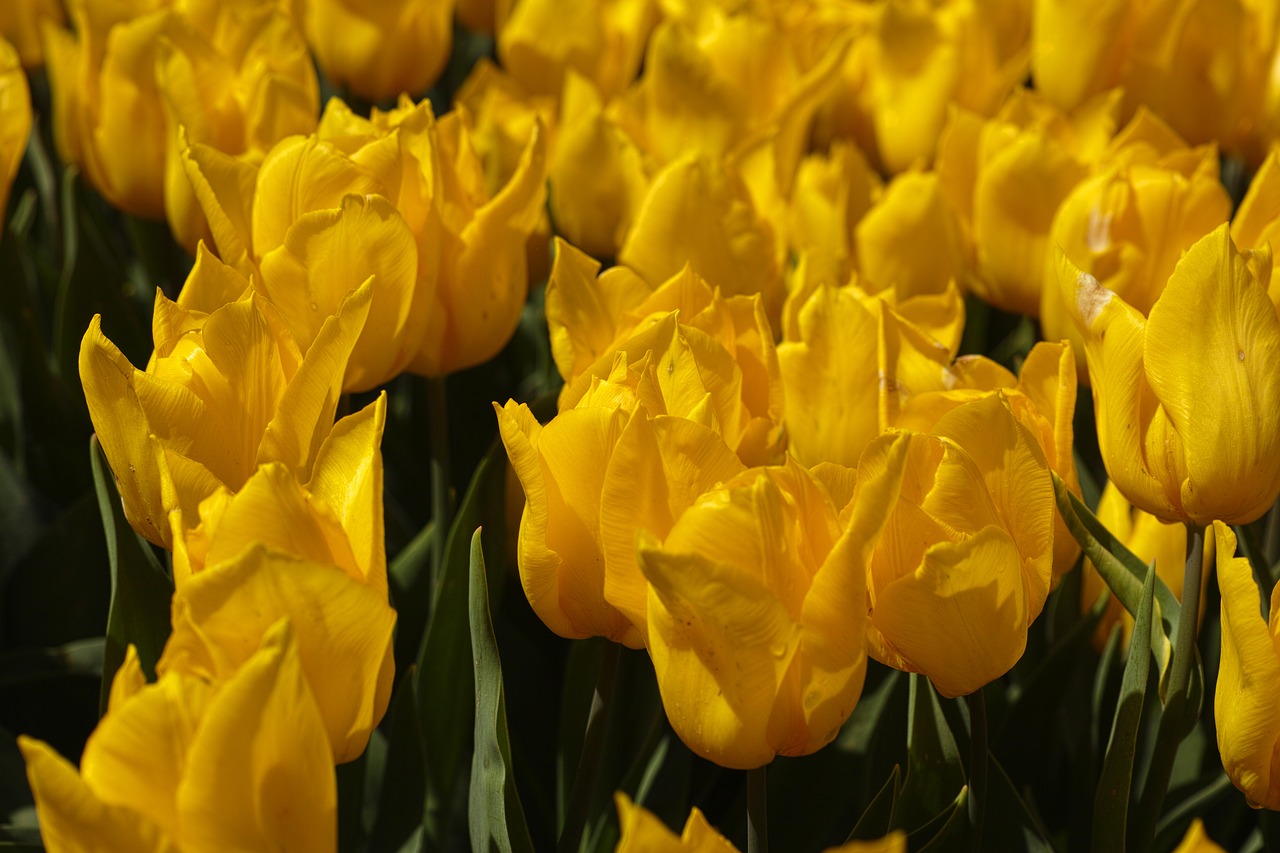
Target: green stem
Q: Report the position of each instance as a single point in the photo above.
(584, 779)
(1175, 722)
(441, 498)
(757, 811)
(977, 764)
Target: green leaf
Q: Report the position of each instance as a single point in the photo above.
(1011, 824)
(445, 678)
(80, 658)
(1103, 688)
(495, 815)
(1124, 573)
(141, 590)
(946, 830)
(934, 769)
(1111, 804)
(409, 577)
(877, 819)
(1173, 826)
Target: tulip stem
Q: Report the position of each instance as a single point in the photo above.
(1175, 722)
(441, 499)
(584, 779)
(977, 764)
(757, 811)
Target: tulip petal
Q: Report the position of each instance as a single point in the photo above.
(260, 775)
(224, 186)
(73, 818)
(1212, 343)
(721, 643)
(961, 618)
(1246, 705)
(910, 241)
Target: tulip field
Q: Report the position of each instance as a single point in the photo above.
(826, 426)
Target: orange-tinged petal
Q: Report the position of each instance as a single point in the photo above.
(1246, 704)
(1212, 342)
(261, 774)
(643, 832)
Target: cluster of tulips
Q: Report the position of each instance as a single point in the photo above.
(768, 461)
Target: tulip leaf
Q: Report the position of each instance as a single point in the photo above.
(1111, 803)
(1173, 826)
(1103, 687)
(934, 769)
(945, 830)
(403, 784)
(1124, 572)
(877, 819)
(141, 590)
(408, 575)
(496, 817)
(1015, 826)
(445, 686)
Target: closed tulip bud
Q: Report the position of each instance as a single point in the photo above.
(755, 613)
(136, 78)
(379, 49)
(15, 121)
(185, 764)
(225, 392)
(1150, 539)
(1186, 394)
(1246, 704)
(21, 22)
(1128, 225)
(964, 561)
(986, 167)
(852, 363)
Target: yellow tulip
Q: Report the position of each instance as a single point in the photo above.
(136, 75)
(1149, 539)
(986, 168)
(850, 366)
(602, 40)
(964, 562)
(1042, 398)
(1197, 840)
(592, 318)
(832, 193)
(643, 832)
(1186, 395)
(379, 49)
(913, 60)
(632, 450)
(1246, 704)
(185, 764)
(910, 240)
(699, 212)
(15, 121)
(1128, 224)
(1257, 220)
(21, 22)
(225, 392)
(1201, 65)
(755, 614)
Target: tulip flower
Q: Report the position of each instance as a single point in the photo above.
(853, 362)
(831, 194)
(20, 25)
(15, 120)
(986, 169)
(185, 764)
(1257, 220)
(134, 78)
(910, 240)
(1187, 398)
(643, 832)
(755, 614)
(964, 562)
(379, 49)
(1150, 539)
(1246, 704)
(634, 449)
(602, 40)
(225, 392)
(1128, 224)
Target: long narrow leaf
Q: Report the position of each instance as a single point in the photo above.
(496, 817)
